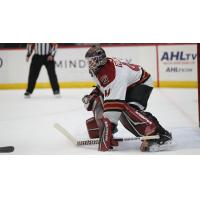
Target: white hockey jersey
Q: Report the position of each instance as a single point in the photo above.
(113, 80)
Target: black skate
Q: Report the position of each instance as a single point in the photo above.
(27, 95)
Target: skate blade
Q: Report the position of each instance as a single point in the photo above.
(169, 145)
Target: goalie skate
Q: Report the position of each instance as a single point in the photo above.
(155, 147)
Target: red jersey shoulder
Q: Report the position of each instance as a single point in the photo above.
(107, 74)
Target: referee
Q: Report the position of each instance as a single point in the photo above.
(43, 55)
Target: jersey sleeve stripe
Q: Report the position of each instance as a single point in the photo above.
(144, 77)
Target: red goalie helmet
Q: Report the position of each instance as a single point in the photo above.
(96, 58)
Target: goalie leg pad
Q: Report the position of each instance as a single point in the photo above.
(106, 141)
(92, 127)
(137, 122)
(164, 134)
(140, 124)
(97, 108)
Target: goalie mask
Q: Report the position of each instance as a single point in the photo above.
(96, 58)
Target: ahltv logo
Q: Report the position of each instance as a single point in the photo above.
(178, 56)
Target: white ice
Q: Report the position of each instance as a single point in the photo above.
(27, 124)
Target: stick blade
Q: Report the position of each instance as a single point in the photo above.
(65, 133)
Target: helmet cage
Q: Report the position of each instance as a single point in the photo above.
(95, 63)
(96, 58)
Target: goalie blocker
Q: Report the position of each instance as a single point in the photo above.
(137, 122)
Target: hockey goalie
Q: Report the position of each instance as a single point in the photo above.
(121, 94)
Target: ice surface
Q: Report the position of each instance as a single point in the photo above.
(28, 123)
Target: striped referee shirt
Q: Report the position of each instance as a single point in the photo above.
(41, 49)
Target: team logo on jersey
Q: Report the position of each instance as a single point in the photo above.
(104, 80)
(107, 93)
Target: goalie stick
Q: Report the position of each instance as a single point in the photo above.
(96, 141)
(7, 149)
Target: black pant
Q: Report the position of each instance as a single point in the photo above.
(139, 94)
(35, 67)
